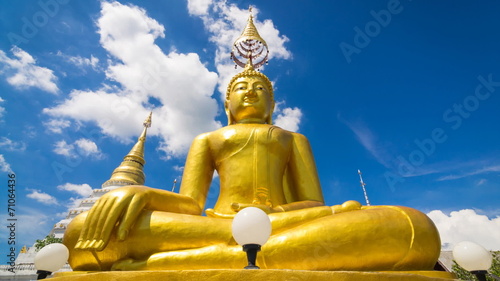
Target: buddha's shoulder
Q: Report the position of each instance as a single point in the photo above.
(245, 129)
(249, 128)
(296, 137)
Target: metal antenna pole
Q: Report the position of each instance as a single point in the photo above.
(173, 187)
(364, 189)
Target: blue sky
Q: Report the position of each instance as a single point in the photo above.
(406, 91)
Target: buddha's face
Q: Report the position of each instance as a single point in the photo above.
(250, 100)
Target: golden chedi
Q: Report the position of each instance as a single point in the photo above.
(141, 228)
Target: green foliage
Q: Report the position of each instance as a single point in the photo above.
(46, 241)
(463, 274)
(495, 266)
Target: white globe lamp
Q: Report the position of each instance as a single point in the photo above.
(50, 258)
(473, 257)
(251, 229)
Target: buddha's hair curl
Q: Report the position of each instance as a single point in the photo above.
(250, 73)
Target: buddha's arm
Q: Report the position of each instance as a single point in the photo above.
(198, 171)
(121, 207)
(301, 180)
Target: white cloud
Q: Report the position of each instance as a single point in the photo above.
(31, 225)
(178, 168)
(82, 147)
(29, 131)
(467, 225)
(42, 197)
(63, 148)
(9, 145)
(2, 109)
(198, 7)
(61, 215)
(4, 166)
(180, 82)
(57, 125)
(83, 190)
(385, 153)
(289, 119)
(80, 61)
(494, 168)
(370, 142)
(87, 147)
(143, 72)
(112, 112)
(481, 182)
(24, 73)
(74, 203)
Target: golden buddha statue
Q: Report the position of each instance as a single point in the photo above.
(141, 228)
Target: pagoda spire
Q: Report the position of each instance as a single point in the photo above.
(131, 170)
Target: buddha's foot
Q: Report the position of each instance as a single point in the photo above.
(129, 264)
(347, 206)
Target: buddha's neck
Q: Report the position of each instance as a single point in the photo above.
(251, 121)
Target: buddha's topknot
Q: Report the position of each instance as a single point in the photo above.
(249, 72)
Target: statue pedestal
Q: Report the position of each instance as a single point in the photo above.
(259, 274)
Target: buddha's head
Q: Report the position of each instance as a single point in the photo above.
(249, 98)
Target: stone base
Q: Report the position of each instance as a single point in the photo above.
(259, 274)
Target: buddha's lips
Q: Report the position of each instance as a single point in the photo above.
(251, 99)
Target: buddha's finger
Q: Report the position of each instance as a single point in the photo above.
(114, 213)
(108, 229)
(133, 211)
(94, 220)
(86, 226)
(88, 240)
(106, 209)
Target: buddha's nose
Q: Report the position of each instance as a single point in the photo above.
(250, 92)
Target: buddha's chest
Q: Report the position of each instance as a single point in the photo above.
(250, 141)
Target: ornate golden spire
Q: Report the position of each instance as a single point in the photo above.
(250, 46)
(130, 171)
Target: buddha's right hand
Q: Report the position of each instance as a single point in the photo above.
(119, 207)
